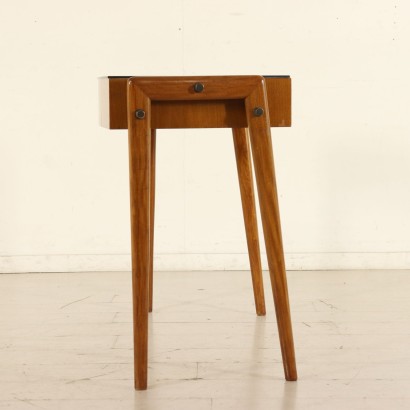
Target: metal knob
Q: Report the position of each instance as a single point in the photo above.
(140, 114)
(258, 111)
(198, 87)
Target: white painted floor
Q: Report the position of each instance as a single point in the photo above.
(66, 342)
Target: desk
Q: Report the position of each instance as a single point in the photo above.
(250, 105)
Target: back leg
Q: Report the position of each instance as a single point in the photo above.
(244, 165)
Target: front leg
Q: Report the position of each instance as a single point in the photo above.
(139, 138)
(261, 143)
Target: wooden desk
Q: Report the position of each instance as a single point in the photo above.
(189, 114)
(250, 105)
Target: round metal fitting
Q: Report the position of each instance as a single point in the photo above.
(198, 87)
(140, 114)
(258, 111)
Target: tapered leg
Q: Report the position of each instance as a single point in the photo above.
(152, 213)
(139, 137)
(244, 166)
(261, 144)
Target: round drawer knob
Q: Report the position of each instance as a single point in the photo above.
(198, 87)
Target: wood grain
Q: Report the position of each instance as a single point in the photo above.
(245, 176)
(152, 217)
(221, 113)
(139, 137)
(251, 91)
(268, 200)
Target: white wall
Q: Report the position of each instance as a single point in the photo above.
(343, 168)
